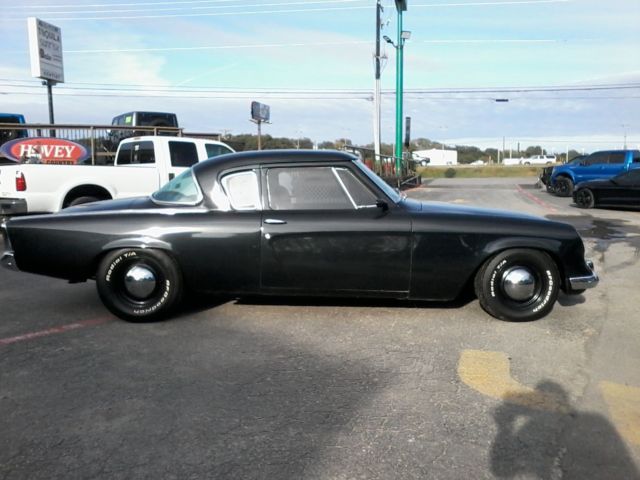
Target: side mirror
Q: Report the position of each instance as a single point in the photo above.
(382, 204)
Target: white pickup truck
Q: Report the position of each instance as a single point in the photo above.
(141, 166)
(535, 160)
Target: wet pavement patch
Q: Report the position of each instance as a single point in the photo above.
(599, 228)
(605, 231)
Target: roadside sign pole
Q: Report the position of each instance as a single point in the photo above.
(50, 84)
(259, 135)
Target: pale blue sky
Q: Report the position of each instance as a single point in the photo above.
(243, 50)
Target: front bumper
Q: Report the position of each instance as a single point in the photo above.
(585, 281)
(7, 261)
(13, 206)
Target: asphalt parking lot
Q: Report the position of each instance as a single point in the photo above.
(312, 389)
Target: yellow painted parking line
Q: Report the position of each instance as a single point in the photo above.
(490, 374)
(624, 405)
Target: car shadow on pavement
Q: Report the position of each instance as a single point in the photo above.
(570, 300)
(551, 439)
(372, 302)
(179, 401)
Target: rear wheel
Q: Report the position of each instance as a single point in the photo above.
(139, 284)
(518, 285)
(563, 187)
(81, 200)
(585, 198)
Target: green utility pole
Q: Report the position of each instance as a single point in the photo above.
(401, 6)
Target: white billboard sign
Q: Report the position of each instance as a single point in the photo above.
(45, 49)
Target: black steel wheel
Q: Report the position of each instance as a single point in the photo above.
(518, 285)
(139, 284)
(563, 187)
(585, 198)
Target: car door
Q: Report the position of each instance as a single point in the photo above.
(627, 192)
(225, 253)
(615, 164)
(323, 233)
(591, 168)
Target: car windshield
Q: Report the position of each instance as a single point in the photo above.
(381, 184)
(182, 190)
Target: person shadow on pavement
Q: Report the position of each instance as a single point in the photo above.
(551, 440)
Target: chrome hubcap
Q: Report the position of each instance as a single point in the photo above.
(140, 282)
(519, 284)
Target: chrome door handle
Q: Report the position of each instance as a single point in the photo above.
(274, 221)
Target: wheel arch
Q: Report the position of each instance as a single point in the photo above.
(86, 190)
(548, 246)
(565, 174)
(133, 243)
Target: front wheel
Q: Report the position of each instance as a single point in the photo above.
(564, 187)
(585, 198)
(518, 285)
(139, 285)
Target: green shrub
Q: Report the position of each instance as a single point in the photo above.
(450, 173)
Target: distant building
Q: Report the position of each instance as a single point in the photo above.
(437, 156)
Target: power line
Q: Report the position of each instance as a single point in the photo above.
(111, 5)
(483, 4)
(193, 8)
(418, 90)
(219, 14)
(219, 47)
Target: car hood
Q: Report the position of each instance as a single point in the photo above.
(465, 210)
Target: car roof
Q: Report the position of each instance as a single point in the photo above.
(240, 159)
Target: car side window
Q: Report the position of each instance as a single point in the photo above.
(360, 195)
(596, 158)
(306, 188)
(636, 156)
(242, 190)
(124, 154)
(183, 154)
(213, 150)
(617, 157)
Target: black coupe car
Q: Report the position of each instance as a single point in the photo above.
(299, 223)
(620, 191)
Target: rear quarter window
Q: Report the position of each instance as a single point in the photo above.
(183, 154)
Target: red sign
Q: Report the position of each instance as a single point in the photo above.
(44, 150)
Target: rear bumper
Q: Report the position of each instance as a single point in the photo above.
(585, 281)
(13, 206)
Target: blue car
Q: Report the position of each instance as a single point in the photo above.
(599, 165)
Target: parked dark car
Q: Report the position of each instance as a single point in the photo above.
(598, 165)
(299, 223)
(620, 191)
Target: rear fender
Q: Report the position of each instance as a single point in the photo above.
(137, 242)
